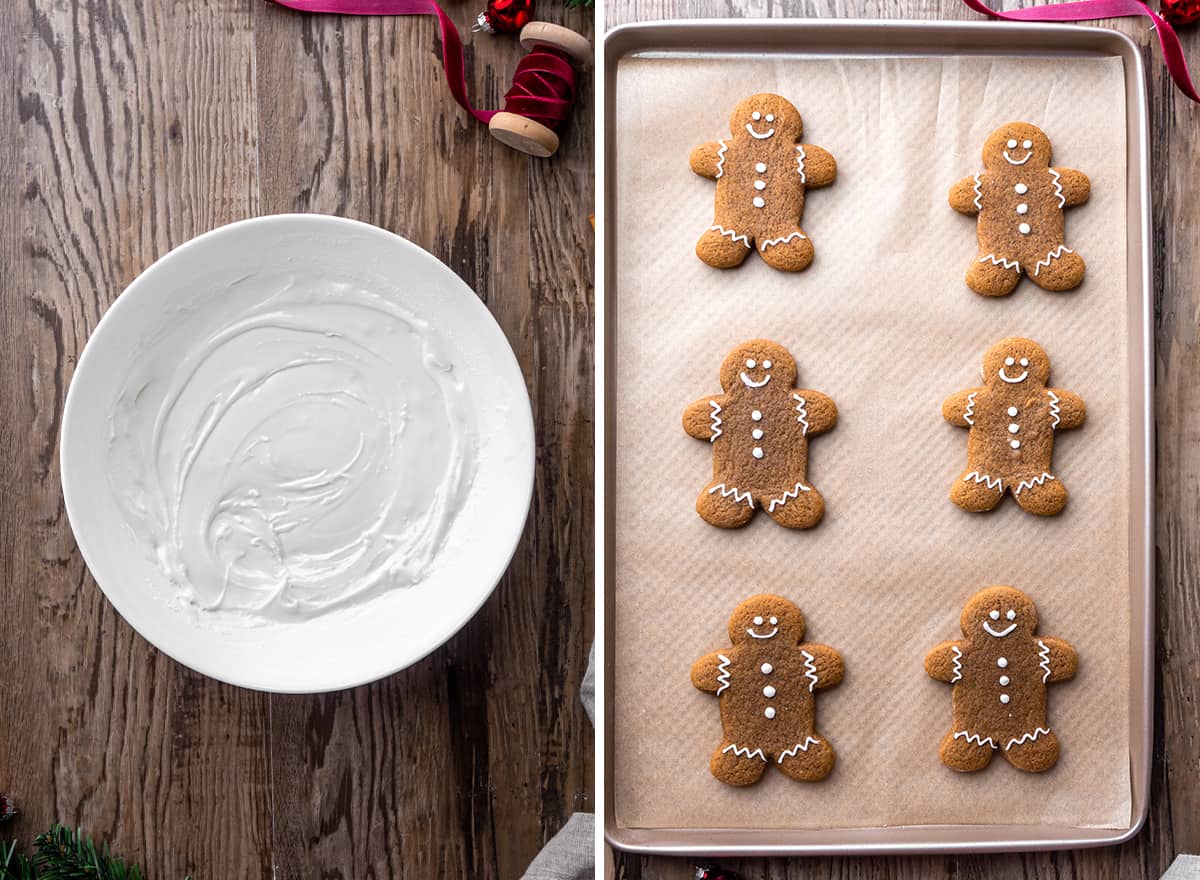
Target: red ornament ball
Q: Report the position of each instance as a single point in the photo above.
(507, 16)
(712, 872)
(1179, 12)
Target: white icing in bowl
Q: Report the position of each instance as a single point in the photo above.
(298, 444)
(297, 453)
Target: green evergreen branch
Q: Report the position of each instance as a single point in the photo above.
(64, 854)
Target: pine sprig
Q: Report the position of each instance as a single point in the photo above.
(64, 854)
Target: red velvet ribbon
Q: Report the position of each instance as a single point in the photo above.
(1082, 10)
(543, 86)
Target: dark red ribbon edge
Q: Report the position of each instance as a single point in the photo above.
(1092, 9)
(452, 50)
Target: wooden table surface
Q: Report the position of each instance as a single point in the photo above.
(1174, 822)
(126, 128)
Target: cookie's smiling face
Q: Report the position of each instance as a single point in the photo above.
(1017, 145)
(999, 613)
(1015, 361)
(766, 618)
(757, 364)
(765, 116)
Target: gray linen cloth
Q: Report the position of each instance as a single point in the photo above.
(571, 854)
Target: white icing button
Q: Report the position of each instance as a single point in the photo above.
(769, 711)
(1023, 229)
(757, 452)
(1013, 428)
(1022, 208)
(1003, 680)
(758, 201)
(1012, 410)
(768, 692)
(756, 433)
(760, 167)
(1002, 662)
(1021, 189)
(1004, 698)
(1015, 444)
(760, 184)
(756, 415)
(767, 668)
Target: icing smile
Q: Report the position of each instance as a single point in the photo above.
(755, 635)
(750, 383)
(1011, 380)
(1011, 161)
(755, 134)
(1002, 633)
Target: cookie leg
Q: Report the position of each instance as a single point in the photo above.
(964, 755)
(1035, 755)
(800, 507)
(810, 763)
(1044, 496)
(1061, 269)
(735, 765)
(790, 251)
(722, 248)
(724, 506)
(993, 276)
(974, 493)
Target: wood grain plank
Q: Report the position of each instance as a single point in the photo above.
(1172, 826)
(476, 755)
(134, 131)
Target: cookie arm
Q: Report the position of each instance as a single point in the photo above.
(706, 159)
(1071, 409)
(1075, 186)
(819, 168)
(702, 419)
(1063, 660)
(705, 672)
(943, 663)
(826, 664)
(963, 196)
(959, 407)
(817, 409)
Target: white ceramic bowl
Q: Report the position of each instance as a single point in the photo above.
(147, 336)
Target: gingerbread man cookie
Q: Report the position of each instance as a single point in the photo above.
(759, 429)
(765, 683)
(1000, 671)
(761, 172)
(1012, 419)
(1020, 198)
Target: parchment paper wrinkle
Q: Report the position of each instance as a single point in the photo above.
(884, 323)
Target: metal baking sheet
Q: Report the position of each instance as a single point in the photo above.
(858, 39)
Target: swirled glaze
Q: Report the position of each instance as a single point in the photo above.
(292, 445)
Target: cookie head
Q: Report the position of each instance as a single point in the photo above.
(1015, 361)
(999, 613)
(766, 116)
(757, 364)
(766, 619)
(1017, 145)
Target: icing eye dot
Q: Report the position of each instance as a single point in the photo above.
(1012, 615)
(1024, 362)
(1008, 362)
(770, 117)
(750, 363)
(766, 365)
(758, 621)
(1011, 144)
(757, 116)
(774, 620)
(1027, 144)
(994, 615)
